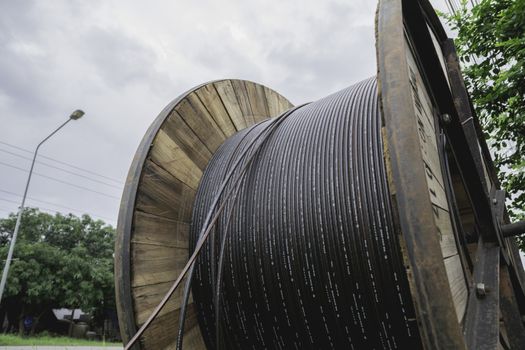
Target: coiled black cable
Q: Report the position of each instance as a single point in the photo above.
(307, 250)
(214, 210)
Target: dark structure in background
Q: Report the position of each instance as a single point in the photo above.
(65, 322)
(372, 218)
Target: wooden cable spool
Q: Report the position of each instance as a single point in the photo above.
(152, 243)
(464, 276)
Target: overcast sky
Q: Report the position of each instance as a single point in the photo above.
(123, 61)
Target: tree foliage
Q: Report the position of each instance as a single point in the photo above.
(59, 261)
(491, 46)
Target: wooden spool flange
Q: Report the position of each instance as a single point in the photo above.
(446, 197)
(155, 212)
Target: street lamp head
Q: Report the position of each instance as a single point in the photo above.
(76, 114)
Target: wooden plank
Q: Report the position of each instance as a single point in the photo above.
(155, 264)
(436, 192)
(423, 104)
(272, 100)
(156, 230)
(425, 122)
(261, 96)
(163, 332)
(429, 150)
(148, 297)
(424, 111)
(284, 104)
(177, 129)
(243, 100)
(458, 286)
(426, 128)
(229, 99)
(445, 232)
(150, 254)
(174, 160)
(197, 117)
(210, 98)
(257, 100)
(427, 136)
(161, 194)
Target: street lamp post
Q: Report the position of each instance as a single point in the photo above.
(74, 116)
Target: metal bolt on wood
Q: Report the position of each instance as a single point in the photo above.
(481, 290)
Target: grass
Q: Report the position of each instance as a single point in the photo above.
(14, 340)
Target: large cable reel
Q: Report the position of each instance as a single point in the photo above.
(427, 261)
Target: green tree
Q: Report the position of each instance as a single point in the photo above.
(60, 261)
(491, 45)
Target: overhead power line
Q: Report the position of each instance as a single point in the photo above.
(64, 163)
(450, 7)
(52, 211)
(60, 181)
(64, 170)
(15, 202)
(7, 210)
(54, 204)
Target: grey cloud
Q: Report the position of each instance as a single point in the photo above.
(323, 66)
(20, 82)
(124, 61)
(117, 58)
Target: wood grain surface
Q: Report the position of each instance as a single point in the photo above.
(188, 134)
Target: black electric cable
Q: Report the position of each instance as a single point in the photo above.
(267, 129)
(216, 277)
(308, 245)
(217, 289)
